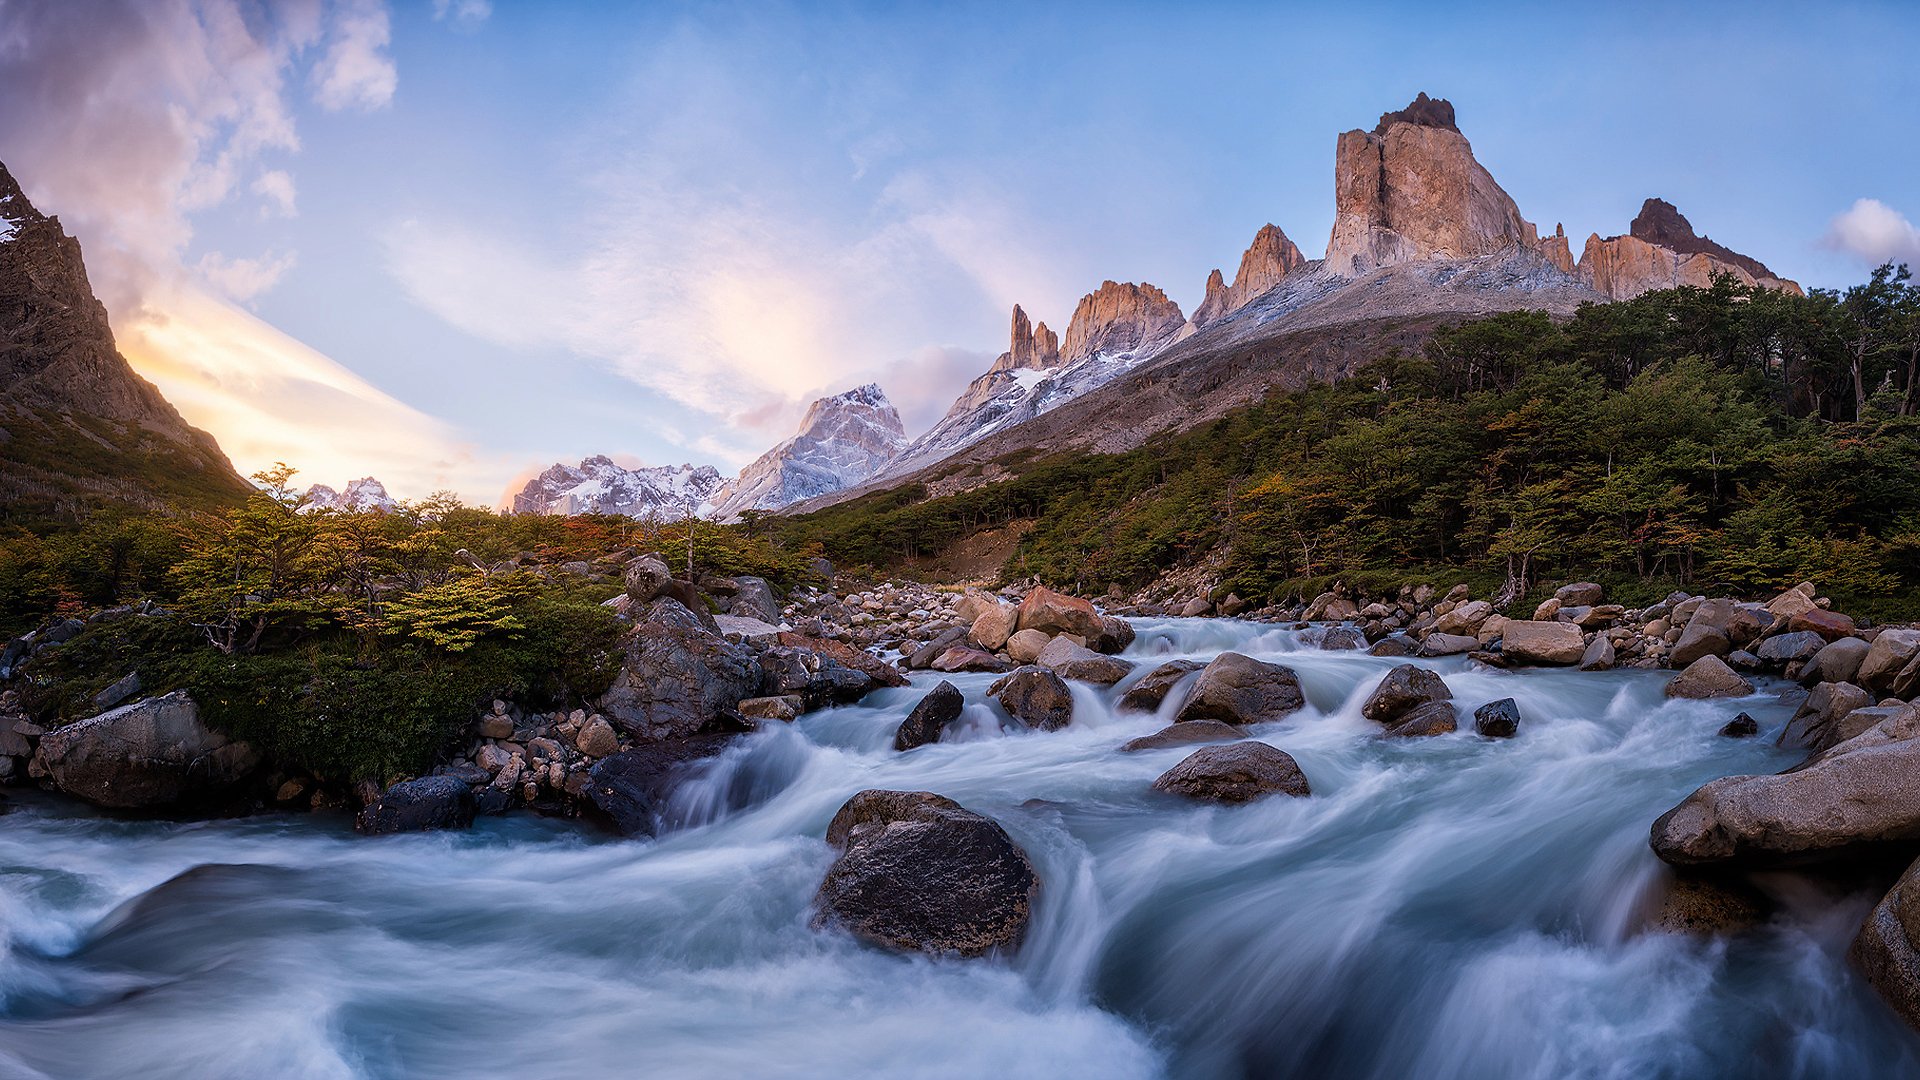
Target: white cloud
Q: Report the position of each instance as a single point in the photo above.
(275, 188)
(356, 72)
(464, 14)
(244, 279)
(1875, 232)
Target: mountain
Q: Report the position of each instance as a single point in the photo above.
(365, 493)
(843, 440)
(598, 486)
(77, 426)
(1269, 259)
(1660, 251)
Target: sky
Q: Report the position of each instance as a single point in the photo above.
(449, 242)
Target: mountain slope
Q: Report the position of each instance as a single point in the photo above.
(843, 440)
(598, 486)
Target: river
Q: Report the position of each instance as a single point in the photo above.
(1444, 907)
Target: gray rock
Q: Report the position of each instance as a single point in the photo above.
(1887, 949)
(1148, 694)
(930, 716)
(647, 578)
(779, 708)
(1235, 773)
(631, 788)
(1432, 718)
(754, 598)
(148, 754)
(1530, 641)
(1079, 662)
(1708, 677)
(1741, 727)
(119, 693)
(1838, 661)
(1816, 724)
(1343, 639)
(1402, 690)
(1599, 656)
(1579, 594)
(675, 681)
(1237, 689)
(1497, 719)
(1036, 697)
(1186, 733)
(1448, 644)
(431, 802)
(1782, 649)
(1889, 652)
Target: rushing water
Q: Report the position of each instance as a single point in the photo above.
(1447, 907)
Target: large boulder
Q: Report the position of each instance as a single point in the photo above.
(1708, 677)
(930, 717)
(1148, 694)
(1887, 949)
(957, 658)
(1889, 653)
(648, 578)
(1116, 634)
(1431, 718)
(1816, 725)
(675, 681)
(1073, 661)
(1579, 594)
(1450, 644)
(881, 672)
(1235, 773)
(753, 597)
(1831, 625)
(1404, 689)
(1717, 628)
(631, 788)
(151, 753)
(993, 626)
(1529, 641)
(917, 871)
(1465, 619)
(1186, 733)
(1056, 613)
(816, 679)
(1238, 689)
(1036, 697)
(1600, 654)
(1497, 719)
(1838, 661)
(1783, 649)
(431, 802)
(1025, 645)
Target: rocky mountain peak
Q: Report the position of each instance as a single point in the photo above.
(1422, 111)
(1660, 222)
(1121, 318)
(1268, 260)
(843, 440)
(1030, 348)
(599, 486)
(1661, 251)
(365, 493)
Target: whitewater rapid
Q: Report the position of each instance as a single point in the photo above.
(1445, 907)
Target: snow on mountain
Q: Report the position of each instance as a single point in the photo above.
(365, 493)
(598, 486)
(843, 440)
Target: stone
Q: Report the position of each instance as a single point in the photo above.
(1660, 251)
(1036, 697)
(1448, 644)
(1268, 260)
(1148, 694)
(1600, 654)
(1025, 645)
(1056, 613)
(152, 753)
(631, 788)
(494, 726)
(1742, 726)
(740, 628)
(1708, 904)
(1238, 689)
(1395, 646)
(1782, 649)
(1465, 619)
(1343, 639)
(1548, 608)
(1795, 601)
(1404, 689)
(963, 658)
(1115, 635)
(1431, 718)
(875, 669)
(930, 716)
(1497, 719)
(1708, 677)
(1830, 625)
(1235, 773)
(1579, 594)
(919, 872)
(675, 681)
(1532, 642)
(1196, 608)
(1185, 733)
(596, 738)
(780, 708)
(647, 578)
(945, 639)
(1889, 652)
(1078, 662)
(119, 693)
(1887, 948)
(1838, 661)
(431, 802)
(1816, 724)
(993, 626)
(754, 598)
(1121, 317)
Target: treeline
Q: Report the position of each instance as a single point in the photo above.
(1716, 438)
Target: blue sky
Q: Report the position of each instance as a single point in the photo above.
(522, 233)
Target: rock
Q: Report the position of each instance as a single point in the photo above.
(1394, 647)
(1579, 594)
(1079, 662)
(1115, 635)
(1838, 661)
(1600, 655)
(739, 628)
(1184, 734)
(1889, 652)
(647, 578)
(1449, 644)
(1404, 689)
(961, 658)
(1794, 601)
(1036, 697)
(930, 716)
(1054, 613)
(675, 681)
(1465, 619)
(923, 657)
(1268, 260)
(1147, 694)
(1887, 948)
(431, 802)
(1741, 727)
(1531, 642)
(1196, 608)
(994, 626)
(1661, 251)
(1121, 317)
(1816, 724)
(1695, 902)
(631, 787)
(754, 598)
(151, 753)
(1343, 639)
(680, 613)
(495, 726)
(1235, 773)
(1708, 677)
(917, 871)
(1830, 625)
(1329, 607)
(1547, 610)
(1497, 719)
(1432, 718)
(119, 693)
(1025, 645)
(1783, 649)
(879, 671)
(781, 708)
(1237, 689)
(596, 738)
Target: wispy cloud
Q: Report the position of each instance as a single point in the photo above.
(464, 14)
(244, 279)
(356, 71)
(275, 188)
(1875, 232)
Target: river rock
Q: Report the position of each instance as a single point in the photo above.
(1708, 677)
(1705, 903)
(917, 871)
(924, 656)
(1716, 629)
(1432, 718)
(1079, 662)
(1497, 719)
(1830, 625)
(754, 598)
(1236, 773)
(1794, 601)
(596, 738)
(1025, 645)
(1448, 644)
(631, 787)
(1887, 949)
(1403, 689)
(1528, 641)
(992, 627)
(930, 717)
(431, 802)
(674, 681)
(1742, 726)
(1888, 653)
(1465, 619)
(1838, 661)
(1238, 689)
(1343, 639)
(1782, 649)
(1116, 634)
(779, 708)
(1600, 655)
(1148, 694)
(1036, 697)
(151, 753)
(1185, 733)
(959, 658)
(1816, 724)
(1580, 594)
(1055, 613)
(876, 669)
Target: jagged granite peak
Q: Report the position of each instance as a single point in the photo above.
(843, 440)
(1121, 319)
(1661, 251)
(598, 486)
(1031, 347)
(365, 493)
(1411, 189)
(1267, 262)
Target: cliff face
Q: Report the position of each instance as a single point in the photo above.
(1121, 318)
(843, 440)
(1267, 262)
(1661, 251)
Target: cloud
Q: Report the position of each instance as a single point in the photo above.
(1875, 232)
(924, 385)
(244, 279)
(464, 14)
(356, 72)
(275, 188)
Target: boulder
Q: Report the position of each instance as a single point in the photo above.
(647, 578)
(1395, 646)
(1887, 948)
(1343, 639)
(1186, 733)
(923, 657)
(816, 679)
(1236, 773)
(1782, 649)
(930, 717)
(965, 658)
(992, 627)
(675, 612)
(1079, 662)
(1148, 694)
(1579, 594)
(431, 802)
(1497, 719)
(1036, 697)
(151, 753)
(1432, 718)
(781, 708)
(631, 788)
(974, 603)
(1742, 726)
(1708, 904)
(1237, 689)
(1449, 644)
(122, 691)
(596, 738)
(1465, 619)
(1795, 601)
(1025, 645)
(1600, 655)
(1404, 689)
(1838, 661)
(1816, 724)
(1889, 652)
(753, 598)
(876, 669)
(1196, 608)
(1708, 677)
(745, 628)
(1116, 634)
(1548, 608)
(1830, 625)
(1055, 613)
(1529, 641)
(919, 872)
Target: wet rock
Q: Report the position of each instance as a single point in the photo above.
(1691, 902)
(1782, 649)
(961, 658)
(1816, 724)
(675, 681)
(1887, 948)
(1036, 697)
(1148, 694)
(1394, 646)
(1497, 719)
(1343, 639)
(1404, 689)
(1838, 662)
(874, 668)
(930, 717)
(148, 754)
(632, 786)
(1432, 718)
(1115, 635)
(1528, 641)
(431, 802)
(780, 708)
(923, 657)
(1055, 613)
(1742, 726)
(1081, 663)
(919, 872)
(1238, 689)
(1600, 655)
(1185, 733)
(1708, 677)
(1236, 773)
